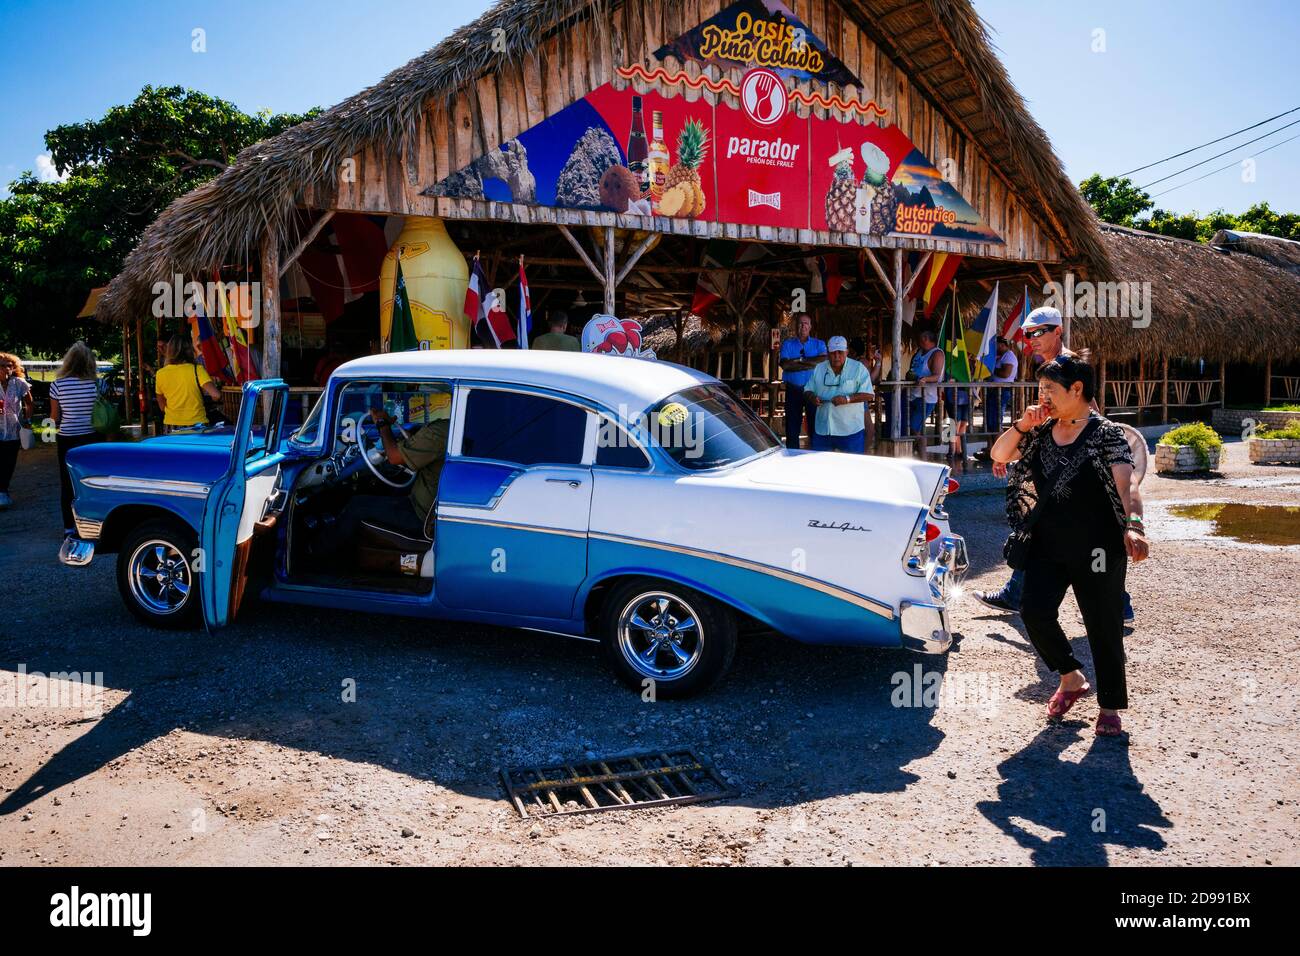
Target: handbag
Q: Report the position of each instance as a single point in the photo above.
(26, 437)
(212, 408)
(1016, 547)
(104, 417)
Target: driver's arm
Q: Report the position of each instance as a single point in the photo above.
(391, 451)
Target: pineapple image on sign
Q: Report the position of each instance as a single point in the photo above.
(683, 194)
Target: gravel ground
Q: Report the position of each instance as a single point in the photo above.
(239, 750)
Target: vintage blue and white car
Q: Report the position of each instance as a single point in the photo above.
(634, 502)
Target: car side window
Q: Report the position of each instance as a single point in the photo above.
(616, 449)
(523, 429)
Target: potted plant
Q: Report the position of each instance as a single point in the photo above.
(1279, 445)
(1188, 448)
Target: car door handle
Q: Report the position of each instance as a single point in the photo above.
(571, 482)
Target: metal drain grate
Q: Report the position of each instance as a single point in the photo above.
(653, 779)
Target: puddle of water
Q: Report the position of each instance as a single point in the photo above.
(1254, 524)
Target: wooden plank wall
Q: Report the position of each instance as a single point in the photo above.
(579, 58)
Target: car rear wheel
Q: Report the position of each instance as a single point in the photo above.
(666, 638)
(156, 576)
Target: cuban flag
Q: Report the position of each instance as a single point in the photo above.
(474, 296)
(525, 307)
(1016, 318)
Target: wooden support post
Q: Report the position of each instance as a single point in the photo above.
(678, 321)
(610, 284)
(270, 307)
(306, 241)
(582, 253)
(632, 260)
(142, 391)
(1164, 392)
(1223, 383)
(1268, 381)
(126, 375)
(1101, 382)
(896, 368)
(880, 273)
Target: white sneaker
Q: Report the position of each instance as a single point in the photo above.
(5, 500)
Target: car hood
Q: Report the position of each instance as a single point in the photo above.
(840, 475)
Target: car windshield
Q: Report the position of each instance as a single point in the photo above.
(309, 431)
(708, 427)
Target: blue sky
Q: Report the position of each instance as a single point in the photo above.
(1173, 73)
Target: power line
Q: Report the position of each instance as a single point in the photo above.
(1222, 168)
(1203, 145)
(1208, 159)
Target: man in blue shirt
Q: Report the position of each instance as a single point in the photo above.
(799, 356)
(837, 389)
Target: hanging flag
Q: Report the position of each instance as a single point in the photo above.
(1016, 318)
(495, 330)
(244, 367)
(401, 335)
(982, 339)
(720, 255)
(525, 308)
(957, 361)
(943, 266)
(475, 293)
(210, 350)
(828, 268)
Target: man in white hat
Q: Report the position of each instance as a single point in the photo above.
(836, 389)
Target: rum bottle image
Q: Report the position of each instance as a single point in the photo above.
(638, 149)
(659, 161)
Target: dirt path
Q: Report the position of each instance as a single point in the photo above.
(240, 750)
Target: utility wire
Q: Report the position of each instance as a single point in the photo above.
(1222, 168)
(1218, 155)
(1203, 145)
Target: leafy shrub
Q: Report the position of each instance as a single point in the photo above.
(1289, 430)
(1197, 435)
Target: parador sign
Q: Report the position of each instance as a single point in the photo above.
(760, 33)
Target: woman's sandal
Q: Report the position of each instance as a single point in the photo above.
(1108, 725)
(1063, 700)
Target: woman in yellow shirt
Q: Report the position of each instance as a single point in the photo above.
(181, 384)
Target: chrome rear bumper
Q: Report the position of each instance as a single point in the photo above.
(924, 624)
(76, 553)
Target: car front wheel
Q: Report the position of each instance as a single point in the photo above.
(156, 576)
(667, 639)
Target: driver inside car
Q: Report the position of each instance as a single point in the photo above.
(424, 453)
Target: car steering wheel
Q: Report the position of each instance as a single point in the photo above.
(370, 452)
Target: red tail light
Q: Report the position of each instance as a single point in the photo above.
(931, 531)
(953, 486)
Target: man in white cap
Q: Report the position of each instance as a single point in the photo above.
(1043, 330)
(836, 389)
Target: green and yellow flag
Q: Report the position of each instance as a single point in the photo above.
(952, 339)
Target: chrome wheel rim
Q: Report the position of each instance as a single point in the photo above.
(660, 635)
(160, 577)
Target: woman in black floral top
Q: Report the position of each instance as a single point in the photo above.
(1071, 493)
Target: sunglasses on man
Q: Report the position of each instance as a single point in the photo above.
(1043, 331)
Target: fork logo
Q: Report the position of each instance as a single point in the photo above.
(764, 97)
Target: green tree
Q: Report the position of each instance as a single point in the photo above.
(59, 240)
(1116, 200)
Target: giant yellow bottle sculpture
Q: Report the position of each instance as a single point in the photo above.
(436, 278)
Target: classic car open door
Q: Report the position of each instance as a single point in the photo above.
(236, 502)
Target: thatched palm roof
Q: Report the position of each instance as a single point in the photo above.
(1204, 303)
(942, 44)
(1283, 253)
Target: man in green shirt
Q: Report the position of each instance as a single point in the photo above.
(558, 339)
(423, 452)
(836, 389)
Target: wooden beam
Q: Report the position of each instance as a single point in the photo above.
(1164, 391)
(1268, 381)
(920, 268)
(610, 284)
(637, 253)
(582, 253)
(896, 366)
(880, 273)
(307, 241)
(271, 306)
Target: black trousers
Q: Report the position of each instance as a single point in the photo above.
(64, 444)
(8, 459)
(1100, 593)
